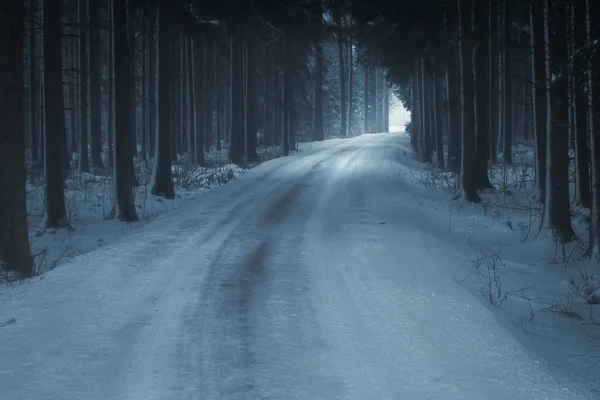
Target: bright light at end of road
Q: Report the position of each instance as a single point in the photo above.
(399, 115)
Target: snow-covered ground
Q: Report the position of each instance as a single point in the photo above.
(89, 199)
(340, 272)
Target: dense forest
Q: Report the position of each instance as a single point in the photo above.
(89, 86)
(92, 85)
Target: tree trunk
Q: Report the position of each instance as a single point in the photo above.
(557, 207)
(42, 145)
(592, 103)
(229, 95)
(367, 89)
(199, 54)
(56, 212)
(414, 111)
(185, 89)
(192, 98)
(236, 148)
(508, 87)
(84, 162)
(33, 82)
(319, 134)
(162, 182)
(386, 106)
(143, 105)
(278, 95)
(175, 94)
(268, 99)
(152, 108)
(581, 110)
(454, 115)
(15, 252)
(426, 147)
(95, 85)
(350, 90)
(436, 114)
(293, 118)
(72, 98)
(123, 167)
(376, 99)
(219, 97)
(131, 56)
(481, 94)
(501, 78)
(342, 68)
(251, 95)
(493, 82)
(539, 95)
(469, 156)
(209, 93)
(287, 91)
(111, 87)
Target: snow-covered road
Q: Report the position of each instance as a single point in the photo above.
(310, 277)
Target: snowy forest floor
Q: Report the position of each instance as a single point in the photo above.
(89, 199)
(547, 294)
(534, 288)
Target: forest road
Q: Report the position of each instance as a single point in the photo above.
(312, 277)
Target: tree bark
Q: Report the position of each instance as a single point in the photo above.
(236, 149)
(469, 156)
(414, 111)
(593, 117)
(175, 70)
(131, 56)
(319, 134)
(493, 82)
(539, 95)
(111, 87)
(33, 83)
(192, 98)
(95, 11)
(287, 91)
(350, 90)
(342, 70)
(386, 106)
(143, 104)
(557, 206)
(251, 94)
(481, 94)
(84, 161)
(426, 133)
(581, 110)
(278, 94)
(367, 89)
(152, 107)
(436, 115)
(199, 54)
(162, 182)
(123, 167)
(15, 251)
(56, 212)
(220, 123)
(184, 100)
(209, 93)
(508, 87)
(454, 114)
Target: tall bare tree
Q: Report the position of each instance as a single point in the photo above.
(15, 253)
(162, 182)
(55, 154)
(123, 161)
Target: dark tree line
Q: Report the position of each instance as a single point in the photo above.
(481, 76)
(105, 82)
(91, 86)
